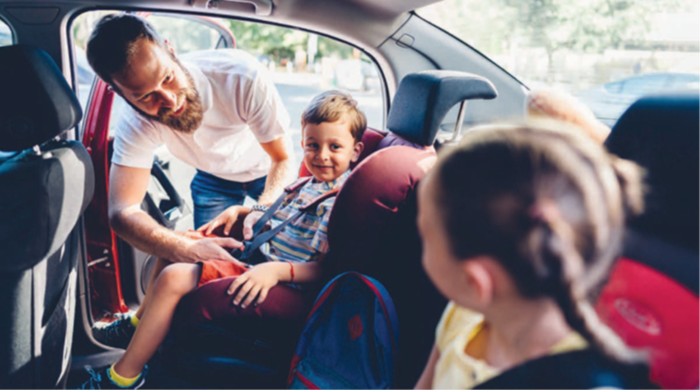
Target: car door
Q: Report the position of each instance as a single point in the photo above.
(118, 273)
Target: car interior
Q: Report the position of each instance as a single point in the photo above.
(63, 269)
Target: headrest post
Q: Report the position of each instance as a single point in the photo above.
(460, 119)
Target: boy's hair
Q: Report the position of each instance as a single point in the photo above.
(550, 206)
(331, 106)
(113, 41)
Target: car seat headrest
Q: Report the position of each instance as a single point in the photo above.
(660, 133)
(37, 104)
(424, 98)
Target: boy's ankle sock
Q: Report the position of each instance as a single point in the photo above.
(120, 380)
(135, 321)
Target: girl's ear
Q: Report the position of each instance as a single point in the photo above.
(480, 281)
(358, 149)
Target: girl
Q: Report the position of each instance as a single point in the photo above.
(520, 225)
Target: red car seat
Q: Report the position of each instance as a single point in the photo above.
(651, 300)
(372, 227)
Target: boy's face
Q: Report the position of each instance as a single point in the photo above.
(329, 148)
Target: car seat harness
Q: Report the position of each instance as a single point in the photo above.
(247, 255)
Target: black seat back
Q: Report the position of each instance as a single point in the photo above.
(45, 185)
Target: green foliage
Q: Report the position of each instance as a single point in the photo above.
(583, 25)
(282, 43)
(586, 25)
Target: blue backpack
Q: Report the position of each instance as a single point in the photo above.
(350, 338)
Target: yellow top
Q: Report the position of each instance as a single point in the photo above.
(457, 370)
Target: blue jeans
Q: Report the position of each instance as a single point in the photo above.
(212, 195)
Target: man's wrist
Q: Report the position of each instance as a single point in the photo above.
(259, 207)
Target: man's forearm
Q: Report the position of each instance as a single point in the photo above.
(145, 234)
(277, 179)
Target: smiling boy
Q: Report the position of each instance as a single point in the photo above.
(332, 127)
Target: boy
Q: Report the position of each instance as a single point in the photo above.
(332, 127)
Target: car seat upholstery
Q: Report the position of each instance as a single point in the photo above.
(372, 228)
(651, 299)
(46, 185)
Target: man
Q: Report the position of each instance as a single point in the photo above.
(219, 112)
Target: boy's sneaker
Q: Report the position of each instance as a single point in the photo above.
(117, 334)
(101, 380)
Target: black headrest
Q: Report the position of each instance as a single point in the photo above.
(661, 133)
(36, 103)
(424, 98)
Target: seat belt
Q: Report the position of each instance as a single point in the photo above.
(261, 238)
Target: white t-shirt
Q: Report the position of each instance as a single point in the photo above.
(242, 109)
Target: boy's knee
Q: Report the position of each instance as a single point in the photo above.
(178, 278)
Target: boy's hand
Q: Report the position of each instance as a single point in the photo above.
(228, 217)
(249, 223)
(254, 284)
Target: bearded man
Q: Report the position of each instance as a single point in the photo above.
(217, 111)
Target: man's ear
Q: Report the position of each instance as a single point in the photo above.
(358, 149)
(480, 280)
(169, 46)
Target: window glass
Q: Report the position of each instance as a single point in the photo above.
(5, 34)
(606, 52)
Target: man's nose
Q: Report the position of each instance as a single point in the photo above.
(168, 99)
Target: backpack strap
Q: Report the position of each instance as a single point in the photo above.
(583, 369)
(261, 238)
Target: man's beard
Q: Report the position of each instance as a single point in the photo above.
(190, 118)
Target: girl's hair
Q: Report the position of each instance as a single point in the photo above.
(550, 205)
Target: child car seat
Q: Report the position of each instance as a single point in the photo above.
(46, 184)
(372, 230)
(651, 300)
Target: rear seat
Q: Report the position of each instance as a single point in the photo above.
(372, 229)
(651, 300)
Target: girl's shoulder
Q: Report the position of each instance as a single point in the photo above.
(456, 321)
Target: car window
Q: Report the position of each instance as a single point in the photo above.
(302, 65)
(687, 81)
(645, 85)
(608, 53)
(5, 34)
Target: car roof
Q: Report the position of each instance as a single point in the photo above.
(361, 22)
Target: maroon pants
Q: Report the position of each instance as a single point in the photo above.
(210, 302)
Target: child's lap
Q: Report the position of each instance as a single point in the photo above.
(211, 302)
(214, 269)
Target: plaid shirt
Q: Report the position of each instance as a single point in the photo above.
(306, 238)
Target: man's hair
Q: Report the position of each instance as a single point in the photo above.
(331, 106)
(113, 41)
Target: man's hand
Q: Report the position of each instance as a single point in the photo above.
(249, 223)
(227, 218)
(208, 248)
(252, 287)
